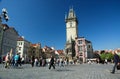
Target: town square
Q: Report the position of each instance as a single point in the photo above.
(59, 39)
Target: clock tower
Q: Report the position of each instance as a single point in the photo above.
(71, 32)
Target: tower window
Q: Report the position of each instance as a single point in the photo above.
(70, 24)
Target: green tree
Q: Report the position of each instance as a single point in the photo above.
(103, 56)
(107, 56)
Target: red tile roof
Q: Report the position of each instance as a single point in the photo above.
(60, 51)
(33, 44)
(20, 39)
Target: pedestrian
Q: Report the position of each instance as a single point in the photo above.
(19, 60)
(7, 61)
(61, 62)
(106, 61)
(36, 61)
(58, 62)
(89, 62)
(116, 61)
(40, 60)
(13, 61)
(52, 62)
(32, 61)
(16, 57)
(23, 60)
(43, 62)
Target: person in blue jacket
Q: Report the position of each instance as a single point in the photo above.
(16, 57)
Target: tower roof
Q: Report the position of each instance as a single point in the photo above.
(71, 16)
(71, 13)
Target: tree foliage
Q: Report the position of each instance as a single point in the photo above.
(107, 56)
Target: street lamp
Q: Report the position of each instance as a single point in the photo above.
(5, 14)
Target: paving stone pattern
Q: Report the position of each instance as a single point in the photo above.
(81, 71)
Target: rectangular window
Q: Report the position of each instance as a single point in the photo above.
(81, 54)
(19, 48)
(80, 41)
(80, 48)
(89, 46)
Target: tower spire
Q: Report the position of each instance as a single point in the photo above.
(71, 13)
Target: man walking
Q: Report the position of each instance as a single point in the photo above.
(52, 62)
(116, 61)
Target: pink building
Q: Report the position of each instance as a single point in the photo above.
(83, 49)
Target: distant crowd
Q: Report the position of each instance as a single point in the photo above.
(17, 61)
(13, 60)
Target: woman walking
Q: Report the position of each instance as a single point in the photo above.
(7, 60)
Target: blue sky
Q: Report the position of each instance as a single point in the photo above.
(44, 21)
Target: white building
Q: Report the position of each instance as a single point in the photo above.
(22, 47)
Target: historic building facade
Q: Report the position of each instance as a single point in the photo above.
(76, 47)
(22, 47)
(47, 52)
(9, 42)
(71, 33)
(83, 49)
(1, 38)
(36, 49)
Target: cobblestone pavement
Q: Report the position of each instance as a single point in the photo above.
(82, 71)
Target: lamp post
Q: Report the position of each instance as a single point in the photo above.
(3, 16)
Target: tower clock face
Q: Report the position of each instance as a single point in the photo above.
(70, 24)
